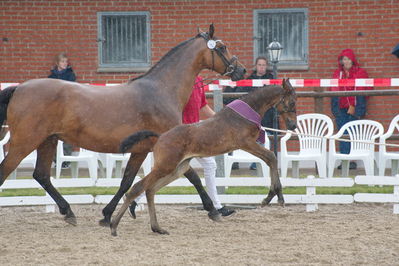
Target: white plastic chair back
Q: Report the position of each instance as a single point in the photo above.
(313, 129)
(365, 132)
(383, 155)
(317, 125)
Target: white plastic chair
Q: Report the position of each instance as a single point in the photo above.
(84, 156)
(383, 155)
(359, 130)
(28, 160)
(3, 142)
(310, 148)
(241, 156)
(117, 159)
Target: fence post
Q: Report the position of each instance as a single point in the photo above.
(319, 101)
(217, 106)
(311, 191)
(396, 196)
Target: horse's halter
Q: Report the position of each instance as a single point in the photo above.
(286, 109)
(212, 45)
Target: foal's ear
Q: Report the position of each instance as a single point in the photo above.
(211, 31)
(287, 85)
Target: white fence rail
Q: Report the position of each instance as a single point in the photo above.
(310, 199)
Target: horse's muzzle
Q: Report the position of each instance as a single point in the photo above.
(291, 125)
(238, 73)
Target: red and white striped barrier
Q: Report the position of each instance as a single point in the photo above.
(383, 82)
(5, 85)
(386, 82)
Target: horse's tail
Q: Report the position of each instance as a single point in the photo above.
(5, 96)
(136, 138)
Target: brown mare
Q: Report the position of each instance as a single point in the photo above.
(224, 132)
(41, 111)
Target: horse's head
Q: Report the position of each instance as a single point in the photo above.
(218, 57)
(287, 105)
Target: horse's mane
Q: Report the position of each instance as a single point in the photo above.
(256, 93)
(166, 57)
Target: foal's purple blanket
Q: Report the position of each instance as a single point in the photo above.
(244, 110)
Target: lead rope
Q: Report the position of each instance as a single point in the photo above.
(207, 83)
(330, 138)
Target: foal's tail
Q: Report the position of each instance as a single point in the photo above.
(5, 96)
(136, 138)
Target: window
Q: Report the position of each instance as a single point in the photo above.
(124, 41)
(290, 28)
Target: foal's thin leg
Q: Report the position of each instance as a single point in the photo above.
(271, 160)
(136, 190)
(152, 182)
(193, 177)
(157, 185)
(131, 170)
(45, 155)
(153, 217)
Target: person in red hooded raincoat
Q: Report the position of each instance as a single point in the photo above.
(346, 109)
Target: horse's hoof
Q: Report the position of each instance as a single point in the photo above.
(160, 231)
(266, 201)
(215, 216)
(104, 222)
(71, 220)
(113, 232)
(281, 203)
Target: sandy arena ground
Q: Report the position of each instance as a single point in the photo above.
(357, 234)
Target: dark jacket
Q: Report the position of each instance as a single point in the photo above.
(66, 74)
(268, 117)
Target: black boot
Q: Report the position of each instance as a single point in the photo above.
(132, 209)
(224, 211)
(352, 166)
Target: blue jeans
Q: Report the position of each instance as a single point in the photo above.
(342, 119)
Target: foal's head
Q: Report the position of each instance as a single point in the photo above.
(218, 57)
(287, 105)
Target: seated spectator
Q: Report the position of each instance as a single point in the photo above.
(62, 70)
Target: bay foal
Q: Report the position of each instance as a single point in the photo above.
(224, 132)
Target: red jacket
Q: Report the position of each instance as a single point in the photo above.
(354, 73)
(191, 111)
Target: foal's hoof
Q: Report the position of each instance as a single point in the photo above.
(70, 218)
(159, 231)
(215, 216)
(104, 222)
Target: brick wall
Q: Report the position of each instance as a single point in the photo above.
(37, 30)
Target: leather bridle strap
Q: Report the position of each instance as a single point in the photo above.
(229, 64)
